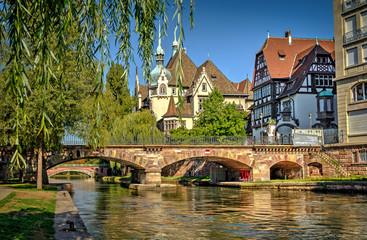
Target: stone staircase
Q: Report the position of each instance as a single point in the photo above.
(332, 163)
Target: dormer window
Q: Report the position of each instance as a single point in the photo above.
(204, 87)
(281, 54)
(214, 77)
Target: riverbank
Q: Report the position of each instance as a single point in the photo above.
(67, 221)
(324, 186)
(27, 212)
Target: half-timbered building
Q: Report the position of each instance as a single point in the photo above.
(293, 85)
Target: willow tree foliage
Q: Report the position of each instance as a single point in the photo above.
(136, 126)
(36, 32)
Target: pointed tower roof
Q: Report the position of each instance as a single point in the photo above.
(171, 111)
(160, 50)
(154, 74)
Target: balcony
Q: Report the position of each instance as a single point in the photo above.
(350, 4)
(355, 34)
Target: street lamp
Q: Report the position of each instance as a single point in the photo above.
(310, 116)
(151, 112)
(261, 127)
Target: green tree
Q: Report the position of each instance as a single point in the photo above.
(136, 127)
(63, 114)
(218, 118)
(118, 84)
(37, 33)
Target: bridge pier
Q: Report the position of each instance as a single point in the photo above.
(152, 176)
(149, 176)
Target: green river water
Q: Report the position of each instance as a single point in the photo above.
(112, 212)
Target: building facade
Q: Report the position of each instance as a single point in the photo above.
(350, 29)
(292, 85)
(162, 96)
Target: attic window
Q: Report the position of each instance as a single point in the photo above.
(214, 77)
(281, 54)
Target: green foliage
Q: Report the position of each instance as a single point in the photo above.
(63, 104)
(218, 118)
(117, 84)
(135, 126)
(38, 39)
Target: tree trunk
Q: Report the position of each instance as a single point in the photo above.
(44, 172)
(39, 161)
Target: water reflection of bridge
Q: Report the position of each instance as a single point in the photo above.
(88, 169)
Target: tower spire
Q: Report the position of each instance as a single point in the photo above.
(160, 52)
(174, 44)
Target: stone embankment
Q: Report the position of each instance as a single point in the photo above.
(350, 187)
(67, 222)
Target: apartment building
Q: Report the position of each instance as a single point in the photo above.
(350, 30)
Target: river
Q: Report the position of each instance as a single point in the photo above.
(112, 212)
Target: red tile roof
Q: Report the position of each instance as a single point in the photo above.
(171, 111)
(273, 46)
(244, 87)
(302, 63)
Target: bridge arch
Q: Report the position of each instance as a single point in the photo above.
(125, 162)
(225, 162)
(84, 171)
(286, 170)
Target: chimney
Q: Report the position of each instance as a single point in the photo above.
(184, 50)
(288, 35)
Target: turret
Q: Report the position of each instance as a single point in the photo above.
(159, 64)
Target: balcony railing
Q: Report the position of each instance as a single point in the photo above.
(350, 4)
(355, 34)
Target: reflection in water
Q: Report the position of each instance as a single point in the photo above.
(112, 212)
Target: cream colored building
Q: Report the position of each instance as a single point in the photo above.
(161, 96)
(350, 30)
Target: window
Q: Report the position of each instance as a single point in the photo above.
(170, 124)
(200, 102)
(162, 90)
(322, 106)
(363, 156)
(364, 19)
(359, 92)
(328, 105)
(173, 91)
(204, 87)
(352, 57)
(364, 53)
(323, 80)
(350, 24)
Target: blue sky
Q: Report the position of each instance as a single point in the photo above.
(234, 31)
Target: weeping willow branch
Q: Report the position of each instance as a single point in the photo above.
(37, 31)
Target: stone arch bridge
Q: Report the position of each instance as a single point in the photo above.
(149, 160)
